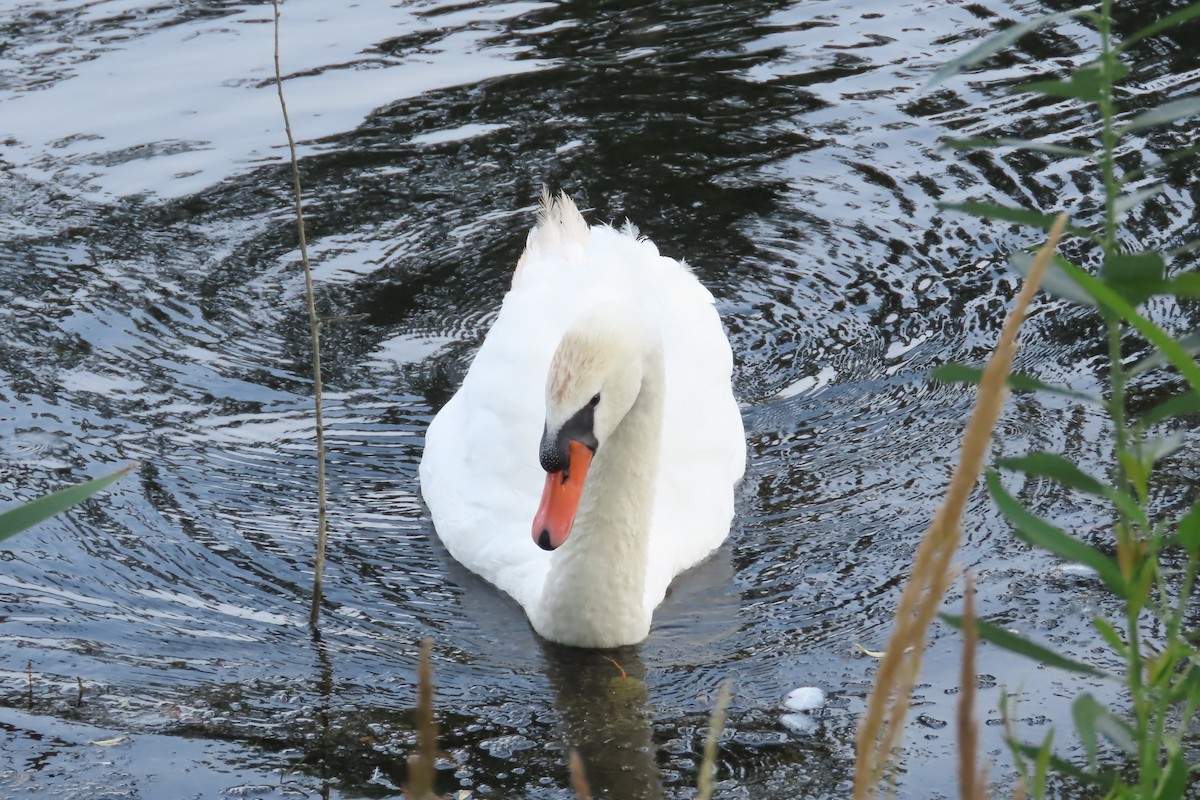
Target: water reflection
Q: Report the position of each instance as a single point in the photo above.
(602, 700)
(150, 309)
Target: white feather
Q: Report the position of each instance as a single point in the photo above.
(480, 473)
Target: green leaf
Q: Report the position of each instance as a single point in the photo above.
(1135, 276)
(1164, 114)
(1189, 343)
(1013, 643)
(1155, 449)
(1128, 201)
(1036, 531)
(1057, 281)
(963, 373)
(1169, 21)
(1185, 284)
(1189, 530)
(1092, 718)
(1055, 467)
(1021, 216)
(1187, 248)
(1173, 350)
(1051, 465)
(997, 42)
(1177, 406)
(29, 514)
(1061, 765)
(1110, 635)
(1018, 144)
(1042, 765)
(1084, 83)
(1175, 783)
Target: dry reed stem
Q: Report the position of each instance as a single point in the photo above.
(579, 782)
(314, 329)
(972, 780)
(421, 766)
(716, 723)
(880, 728)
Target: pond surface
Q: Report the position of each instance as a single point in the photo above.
(151, 309)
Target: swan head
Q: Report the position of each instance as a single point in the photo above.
(593, 382)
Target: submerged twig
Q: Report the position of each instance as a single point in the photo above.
(716, 723)
(421, 765)
(579, 784)
(880, 728)
(314, 328)
(972, 780)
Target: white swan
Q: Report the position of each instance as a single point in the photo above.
(604, 387)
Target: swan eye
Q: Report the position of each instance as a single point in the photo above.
(595, 401)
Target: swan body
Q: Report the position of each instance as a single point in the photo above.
(603, 387)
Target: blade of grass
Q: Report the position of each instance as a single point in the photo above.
(314, 331)
(29, 514)
(1175, 352)
(1158, 26)
(1036, 531)
(997, 42)
(989, 632)
(964, 373)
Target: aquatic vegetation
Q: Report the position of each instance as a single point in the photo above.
(1147, 558)
(31, 513)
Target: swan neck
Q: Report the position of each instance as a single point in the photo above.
(595, 591)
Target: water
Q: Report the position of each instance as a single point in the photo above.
(152, 310)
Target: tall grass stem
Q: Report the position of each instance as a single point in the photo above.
(880, 728)
(314, 329)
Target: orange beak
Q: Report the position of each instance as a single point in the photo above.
(560, 499)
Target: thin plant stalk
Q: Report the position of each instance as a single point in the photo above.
(314, 329)
(421, 766)
(972, 780)
(716, 723)
(880, 728)
(579, 782)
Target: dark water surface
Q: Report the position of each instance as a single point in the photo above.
(151, 310)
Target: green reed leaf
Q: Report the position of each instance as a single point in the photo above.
(1169, 21)
(997, 42)
(1127, 201)
(1065, 767)
(1092, 719)
(1021, 216)
(1176, 782)
(1036, 531)
(1174, 351)
(29, 514)
(1178, 406)
(990, 632)
(1110, 635)
(1085, 83)
(1051, 465)
(1188, 530)
(1057, 281)
(1055, 467)
(1016, 144)
(1135, 276)
(1189, 343)
(1164, 114)
(964, 373)
(1185, 284)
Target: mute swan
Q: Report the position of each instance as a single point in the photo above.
(603, 385)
